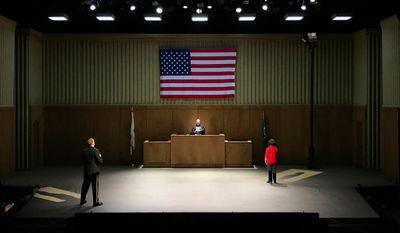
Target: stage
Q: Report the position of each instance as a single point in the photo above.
(329, 191)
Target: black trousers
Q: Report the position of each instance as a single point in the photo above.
(87, 180)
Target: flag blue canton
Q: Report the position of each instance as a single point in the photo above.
(174, 62)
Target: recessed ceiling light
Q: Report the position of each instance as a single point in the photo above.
(341, 17)
(294, 16)
(58, 17)
(105, 17)
(152, 17)
(247, 17)
(199, 17)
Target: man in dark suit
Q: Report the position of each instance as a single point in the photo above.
(91, 158)
(198, 128)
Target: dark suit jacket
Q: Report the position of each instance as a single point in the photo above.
(91, 160)
(202, 131)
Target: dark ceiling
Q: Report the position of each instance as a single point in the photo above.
(222, 17)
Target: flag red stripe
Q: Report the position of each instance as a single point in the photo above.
(196, 96)
(212, 50)
(199, 81)
(213, 58)
(196, 88)
(213, 65)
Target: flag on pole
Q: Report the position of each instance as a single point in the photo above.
(264, 132)
(197, 73)
(132, 133)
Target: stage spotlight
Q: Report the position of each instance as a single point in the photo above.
(310, 39)
(159, 10)
(264, 7)
(238, 9)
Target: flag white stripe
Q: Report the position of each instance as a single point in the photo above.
(197, 84)
(197, 92)
(212, 54)
(197, 77)
(213, 69)
(212, 61)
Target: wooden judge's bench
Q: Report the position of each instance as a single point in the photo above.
(197, 151)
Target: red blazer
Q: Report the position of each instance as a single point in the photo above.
(270, 154)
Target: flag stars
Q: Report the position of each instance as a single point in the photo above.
(175, 62)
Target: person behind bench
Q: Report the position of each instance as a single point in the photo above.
(198, 128)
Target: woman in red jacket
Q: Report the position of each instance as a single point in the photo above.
(270, 160)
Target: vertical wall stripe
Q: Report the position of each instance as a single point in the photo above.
(373, 99)
(7, 61)
(22, 99)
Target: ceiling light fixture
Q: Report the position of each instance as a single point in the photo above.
(132, 7)
(185, 6)
(264, 7)
(238, 9)
(159, 10)
(152, 17)
(105, 17)
(303, 6)
(199, 17)
(199, 11)
(294, 16)
(58, 17)
(313, 1)
(341, 17)
(247, 17)
(92, 7)
(209, 7)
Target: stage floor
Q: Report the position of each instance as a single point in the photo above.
(329, 191)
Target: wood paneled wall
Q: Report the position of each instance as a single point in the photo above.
(390, 141)
(7, 141)
(67, 128)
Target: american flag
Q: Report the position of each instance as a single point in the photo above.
(197, 73)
